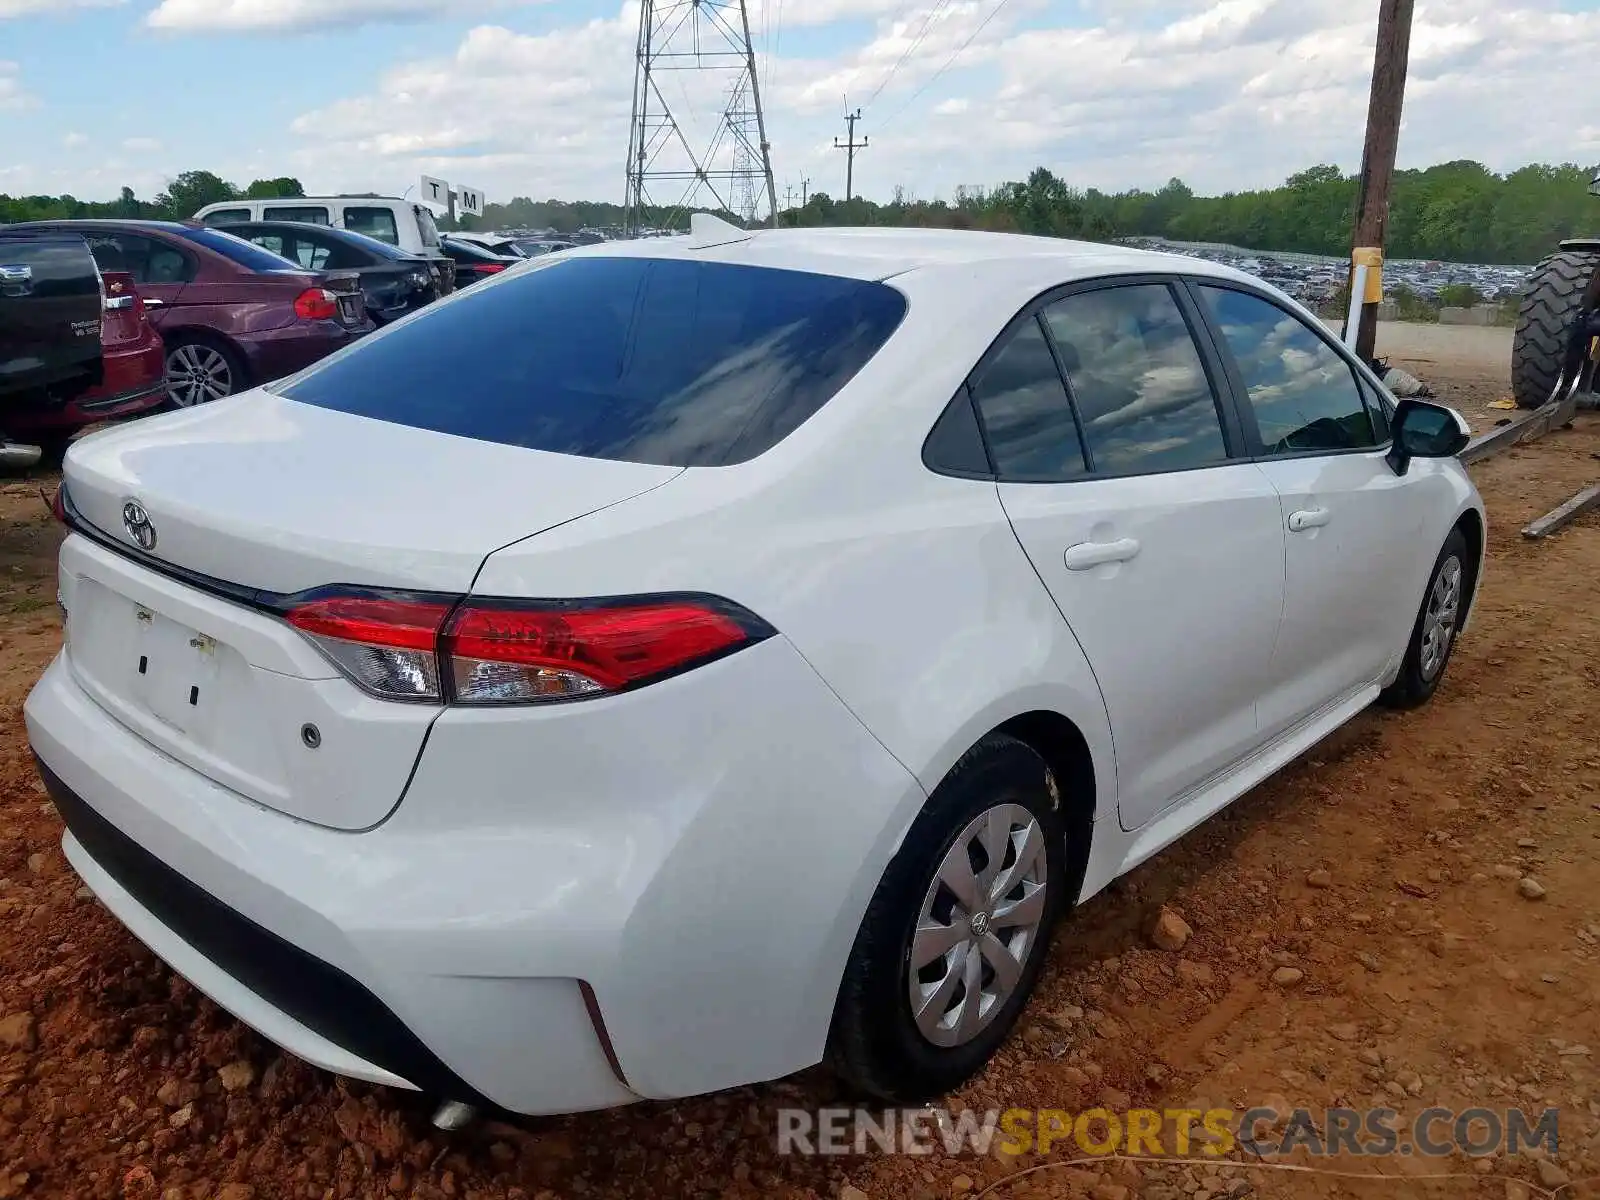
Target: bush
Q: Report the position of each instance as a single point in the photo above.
(1459, 295)
(1413, 307)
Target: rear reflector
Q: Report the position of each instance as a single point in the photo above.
(486, 652)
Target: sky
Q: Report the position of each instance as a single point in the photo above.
(532, 97)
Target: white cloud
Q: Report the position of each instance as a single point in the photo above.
(1227, 94)
(287, 16)
(141, 145)
(13, 95)
(28, 8)
(74, 140)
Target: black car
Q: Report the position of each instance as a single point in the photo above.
(393, 282)
(474, 262)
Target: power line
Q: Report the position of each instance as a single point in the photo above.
(901, 14)
(917, 95)
(927, 24)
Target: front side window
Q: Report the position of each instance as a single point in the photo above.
(305, 214)
(1302, 392)
(1026, 414)
(374, 222)
(645, 360)
(1138, 380)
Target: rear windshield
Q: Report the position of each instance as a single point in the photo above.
(247, 254)
(644, 360)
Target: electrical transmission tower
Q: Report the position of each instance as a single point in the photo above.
(733, 170)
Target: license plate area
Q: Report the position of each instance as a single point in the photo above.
(158, 666)
(349, 312)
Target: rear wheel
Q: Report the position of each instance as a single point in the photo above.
(200, 370)
(955, 936)
(1551, 306)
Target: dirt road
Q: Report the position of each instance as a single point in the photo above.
(1379, 882)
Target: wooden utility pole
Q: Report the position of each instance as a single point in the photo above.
(805, 192)
(850, 146)
(1377, 158)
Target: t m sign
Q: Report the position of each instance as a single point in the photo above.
(435, 191)
(469, 201)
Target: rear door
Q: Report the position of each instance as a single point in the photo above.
(1353, 527)
(1162, 547)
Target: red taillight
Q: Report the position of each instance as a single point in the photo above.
(509, 654)
(501, 652)
(489, 268)
(387, 645)
(58, 504)
(316, 304)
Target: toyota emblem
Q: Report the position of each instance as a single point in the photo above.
(137, 522)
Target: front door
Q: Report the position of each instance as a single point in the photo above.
(1163, 551)
(1351, 528)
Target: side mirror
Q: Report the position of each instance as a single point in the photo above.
(1423, 430)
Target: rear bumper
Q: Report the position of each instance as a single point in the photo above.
(215, 898)
(651, 895)
(133, 383)
(273, 353)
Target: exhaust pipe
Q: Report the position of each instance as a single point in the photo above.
(453, 1115)
(18, 456)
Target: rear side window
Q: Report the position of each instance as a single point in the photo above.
(643, 360)
(145, 258)
(247, 254)
(227, 216)
(1026, 415)
(426, 225)
(305, 214)
(1140, 386)
(374, 222)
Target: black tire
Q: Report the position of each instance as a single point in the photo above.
(1551, 306)
(875, 1045)
(1415, 684)
(198, 348)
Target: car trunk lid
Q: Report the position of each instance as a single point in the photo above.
(199, 526)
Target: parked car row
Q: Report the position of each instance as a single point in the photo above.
(249, 292)
(76, 344)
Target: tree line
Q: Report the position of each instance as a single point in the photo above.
(1456, 211)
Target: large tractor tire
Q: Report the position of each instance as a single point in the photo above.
(1551, 306)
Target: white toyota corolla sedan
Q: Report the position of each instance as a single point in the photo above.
(679, 662)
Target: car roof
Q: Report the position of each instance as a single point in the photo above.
(115, 222)
(880, 254)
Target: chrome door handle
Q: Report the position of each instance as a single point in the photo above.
(1308, 518)
(1087, 555)
(152, 302)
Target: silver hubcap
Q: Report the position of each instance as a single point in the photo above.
(978, 926)
(1439, 618)
(196, 374)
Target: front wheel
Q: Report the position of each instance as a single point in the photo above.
(1433, 638)
(955, 936)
